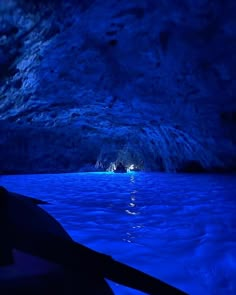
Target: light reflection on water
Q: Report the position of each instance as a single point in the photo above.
(180, 228)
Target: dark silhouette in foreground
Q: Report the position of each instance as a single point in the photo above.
(120, 168)
(46, 260)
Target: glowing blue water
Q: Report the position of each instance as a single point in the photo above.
(179, 228)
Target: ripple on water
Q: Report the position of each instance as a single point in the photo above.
(180, 228)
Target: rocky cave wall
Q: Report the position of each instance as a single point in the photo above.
(84, 84)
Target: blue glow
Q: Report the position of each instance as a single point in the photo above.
(179, 228)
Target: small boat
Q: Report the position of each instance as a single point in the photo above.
(38, 257)
(120, 168)
(31, 275)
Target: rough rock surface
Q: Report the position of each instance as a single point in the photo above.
(85, 84)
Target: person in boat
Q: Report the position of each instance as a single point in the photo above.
(120, 168)
(43, 259)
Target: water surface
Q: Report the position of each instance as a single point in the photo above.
(180, 228)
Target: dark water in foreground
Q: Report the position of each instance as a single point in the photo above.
(179, 228)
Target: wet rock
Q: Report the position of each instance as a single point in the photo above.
(92, 83)
(192, 167)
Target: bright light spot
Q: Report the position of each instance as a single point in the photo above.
(131, 167)
(112, 167)
(131, 213)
